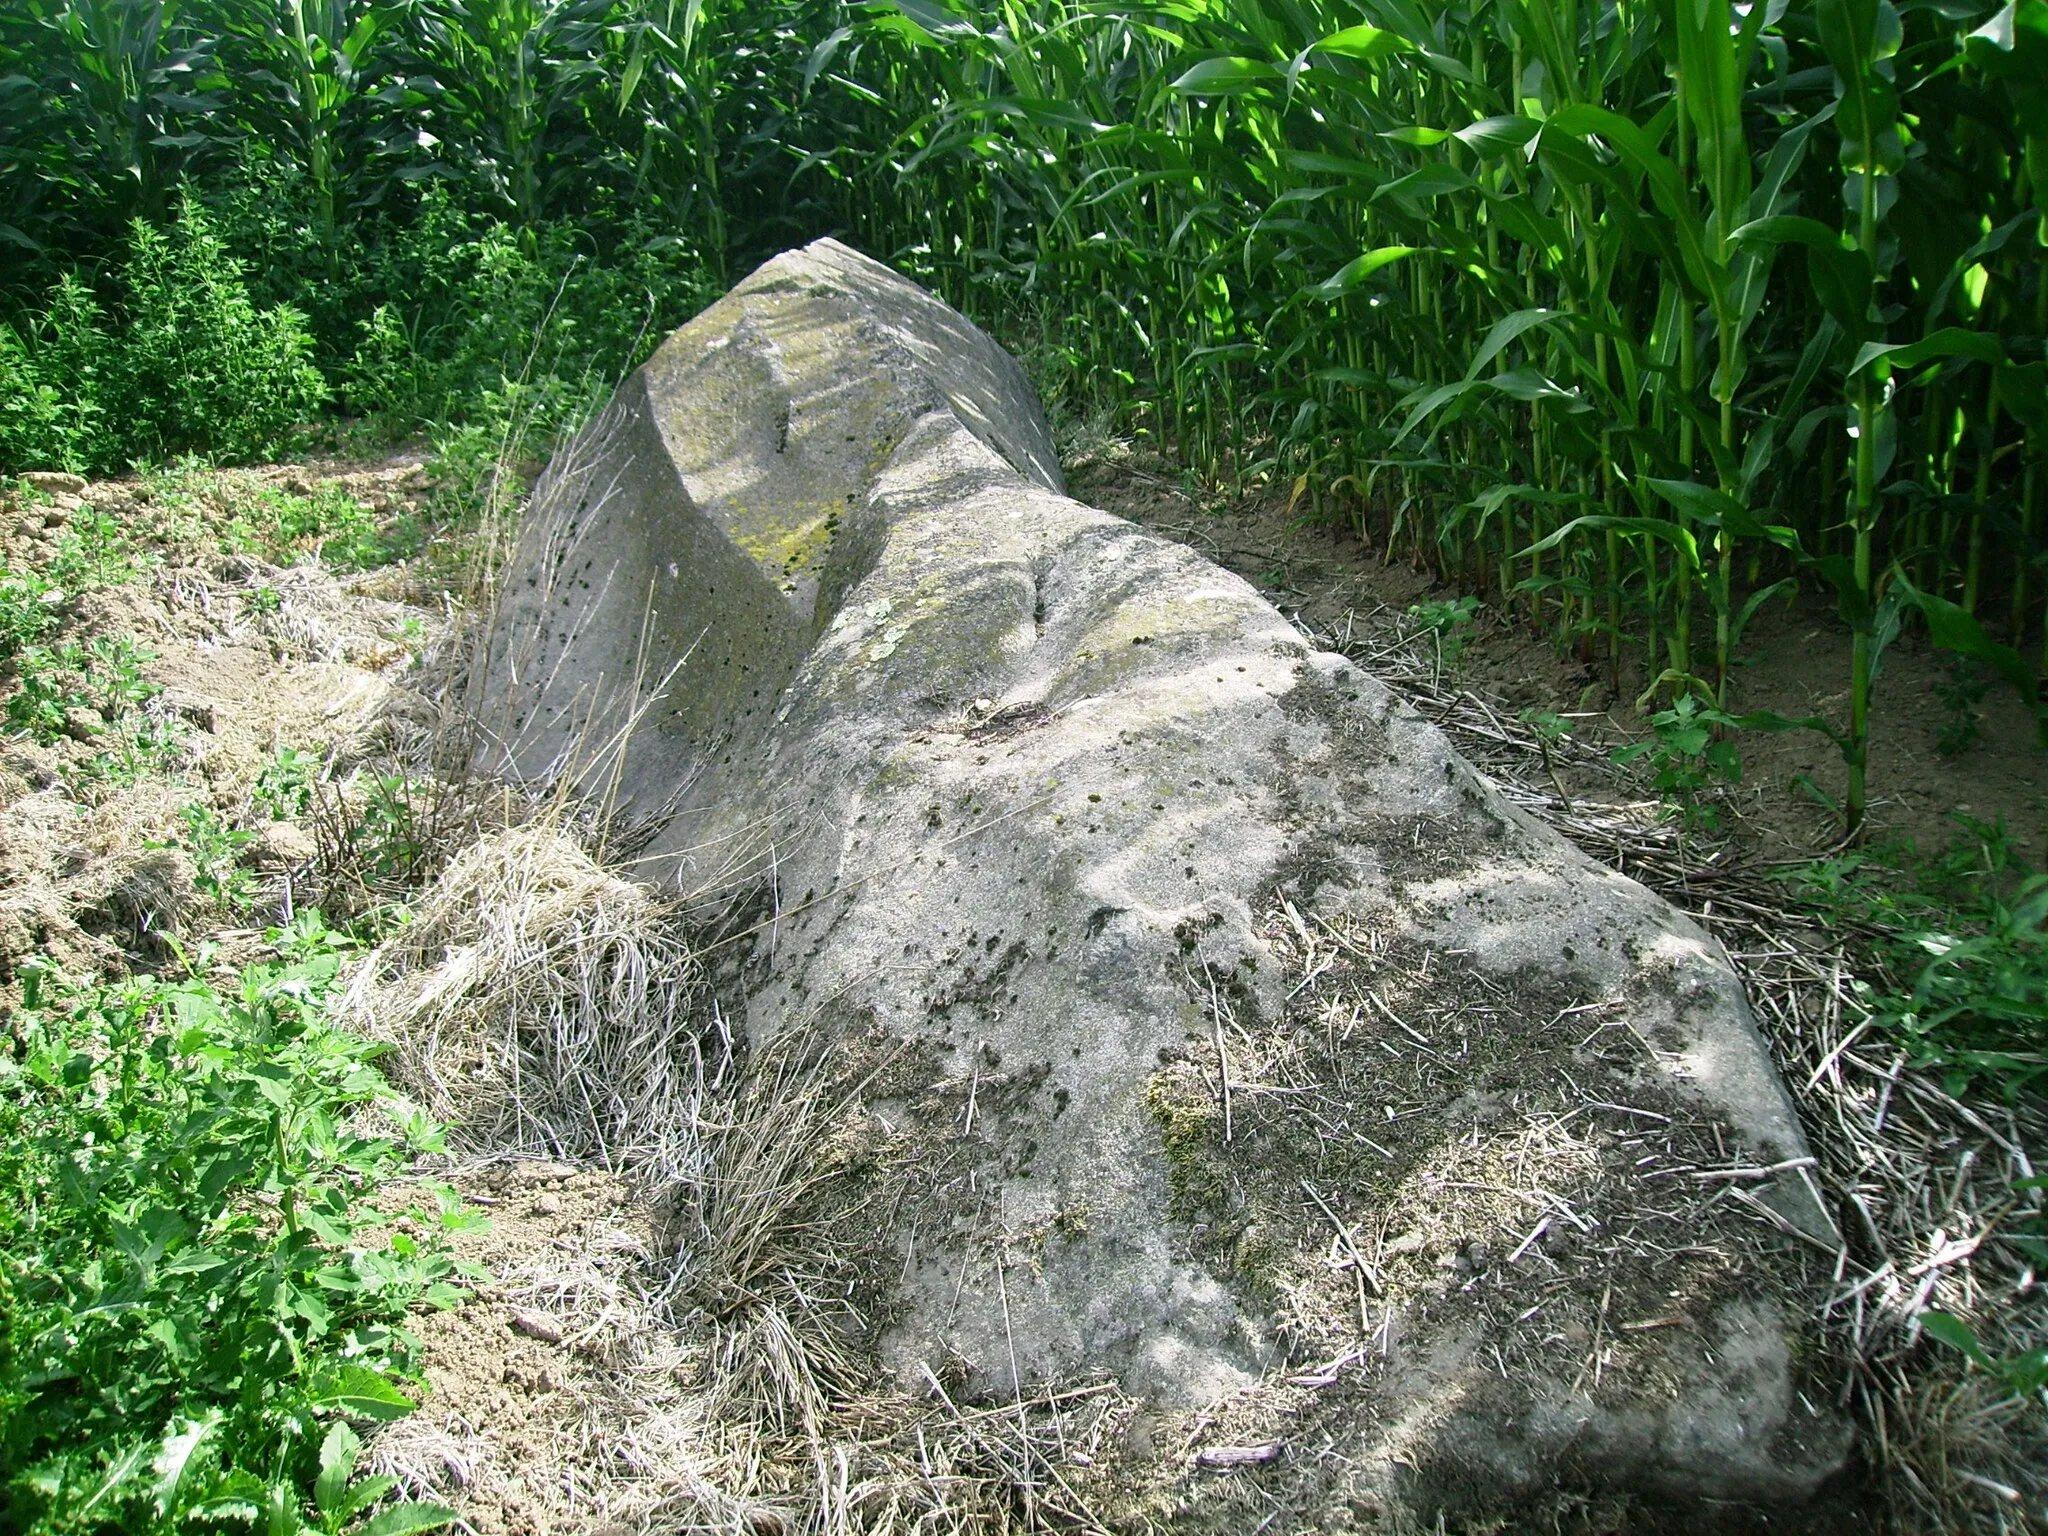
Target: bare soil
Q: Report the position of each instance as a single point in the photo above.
(557, 1397)
(249, 657)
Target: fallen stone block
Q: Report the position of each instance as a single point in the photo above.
(1189, 1011)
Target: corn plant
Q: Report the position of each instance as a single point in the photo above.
(516, 84)
(105, 101)
(316, 80)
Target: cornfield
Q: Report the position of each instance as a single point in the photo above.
(1636, 315)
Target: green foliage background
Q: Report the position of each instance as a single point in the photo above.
(1633, 315)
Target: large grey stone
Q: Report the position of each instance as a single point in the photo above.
(1206, 1019)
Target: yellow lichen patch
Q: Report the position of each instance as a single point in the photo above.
(784, 551)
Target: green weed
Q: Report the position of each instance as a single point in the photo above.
(387, 837)
(340, 1497)
(1979, 1001)
(181, 362)
(1958, 951)
(31, 606)
(138, 746)
(285, 784)
(511, 425)
(1688, 754)
(52, 407)
(95, 551)
(323, 523)
(201, 368)
(114, 672)
(216, 848)
(2024, 1374)
(327, 525)
(1961, 691)
(49, 699)
(69, 689)
(1450, 620)
(199, 1281)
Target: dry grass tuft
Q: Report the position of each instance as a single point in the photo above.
(542, 1003)
(764, 1271)
(813, 1435)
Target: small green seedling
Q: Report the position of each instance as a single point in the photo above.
(2024, 1375)
(1687, 756)
(1450, 620)
(285, 784)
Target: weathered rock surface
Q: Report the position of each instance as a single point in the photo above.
(1212, 1024)
(53, 482)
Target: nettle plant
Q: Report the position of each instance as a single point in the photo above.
(208, 1263)
(175, 359)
